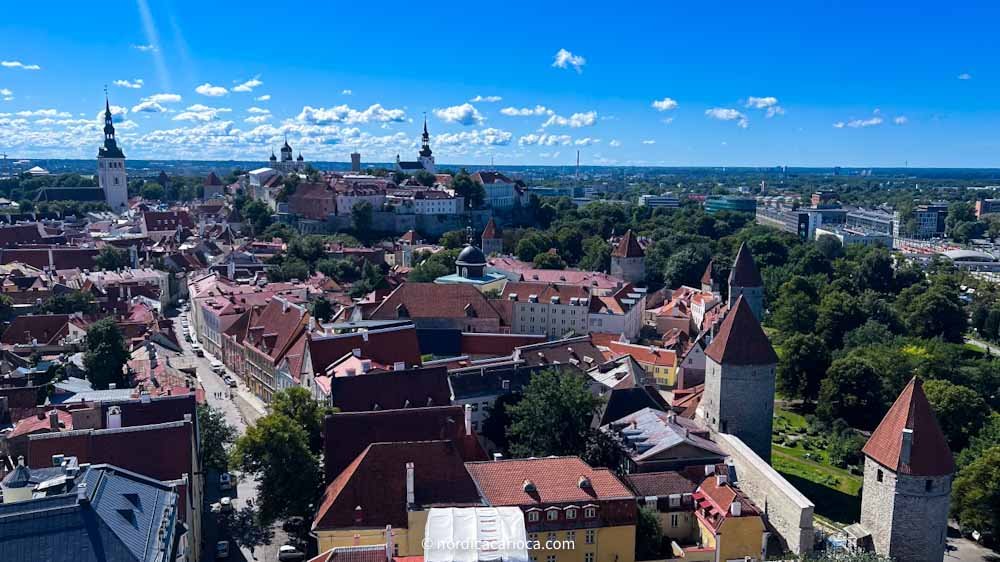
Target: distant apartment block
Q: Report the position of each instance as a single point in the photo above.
(664, 201)
(987, 207)
(740, 204)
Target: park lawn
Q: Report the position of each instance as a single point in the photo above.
(835, 491)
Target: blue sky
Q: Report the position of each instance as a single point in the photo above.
(850, 83)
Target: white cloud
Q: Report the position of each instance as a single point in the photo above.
(344, 114)
(965, 76)
(148, 107)
(207, 89)
(587, 141)
(667, 120)
(874, 120)
(649, 141)
(901, 120)
(257, 119)
(7, 94)
(544, 140)
(615, 143)
(265, 97)
(19, 64)
(49, 113)
(728, 114)
(134, 84)
(247, 86)
(163, 98)
(258, 110)
(768, 103)
(481, 137)
(145, 48)
(465, 114)
(575, 121)
(666, 104)
(347, 92)
(486, 99)
(526, 111)
(566, 59)
(199, 112)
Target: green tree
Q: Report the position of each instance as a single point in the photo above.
(257, 215)
(497, 422)
(362, 217)
(553, 417)
(604, 451)
(425, 178)
(959, 411)
(686, 266)
(838, 313)
(549, 260)
(852, 390)
(471, 190)
(307, 248)
(935, 312)
(70, 302)
(802, 366)
(988, 436)
(340, 270)
(290, 268)
(152, 191)
(596, 254)
(427, 272)
(845, 556)
(216, 436)
(794, 312)
(246, 528)
(111, 259)
(106, 354)
(534, 242)
(276, 450)
(298, 405)
(453, 239)
(976, 494)
(648, 535)
(321, 309)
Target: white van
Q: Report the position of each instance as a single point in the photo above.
(217, 366)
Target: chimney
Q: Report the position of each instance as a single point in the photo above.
(904, 451)
(366, 365)
(468, 419)
(57, 460)
(721, 480)
(736, 508)
(410, 494)
(359, 515)
(112, 386)
(53, 420)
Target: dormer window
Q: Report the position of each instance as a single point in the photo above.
(571, 513)
(590, 512)
(533, 516)
(552, 514)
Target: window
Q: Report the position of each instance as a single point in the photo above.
(532, 536)
(878, 475)
(675, 520)
(571, 536)
(590, 513)
(550, 558)
(570, 514)
(552, 537)
(395, 549)
(928, 485)
(588, 557)
(532, 516)
(552, 515)
(588, 537)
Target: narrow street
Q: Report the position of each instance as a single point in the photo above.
(240, 409)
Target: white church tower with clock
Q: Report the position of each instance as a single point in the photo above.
(111, 176)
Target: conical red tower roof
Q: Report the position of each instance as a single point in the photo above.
(741, 340)
(628, 247)
(745, 272)
(929, 451)
(490, 232)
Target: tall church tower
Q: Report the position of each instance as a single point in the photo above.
(745, 281)
(739, 381)
(908, 475)
(426, 156)
(111, 176)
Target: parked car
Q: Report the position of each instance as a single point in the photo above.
(231, 381)
(288, 553)
(196, 348)
(226, 503)
(225, 481)
(222, 549)
(217, 367)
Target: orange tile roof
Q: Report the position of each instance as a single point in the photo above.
(628, 247)
(556, 480)
(929, 452)
(645, 354)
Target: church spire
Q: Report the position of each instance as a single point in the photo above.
(425, 146)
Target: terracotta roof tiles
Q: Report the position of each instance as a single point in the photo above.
(741, 340)
(929, 453)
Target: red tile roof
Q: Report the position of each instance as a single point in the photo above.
(391, 390)
(277, 327)
(41, 424)
(158, 221)
(383, 346)
(929, 451)
(741, 340)
(714, 502)
(46, 328)
(31, 233)
(430, 300)
(490, 232)
(555, 479)
(651, 355)
(628, 247)
(667, 482)
(212, 180)
(706, 278)
(376, 481)
(346, 435)
(496, 345)
(745, 273)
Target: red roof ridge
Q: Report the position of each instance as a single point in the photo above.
(741, 340)
(911, 413)
(745, 272)
(628, 247)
